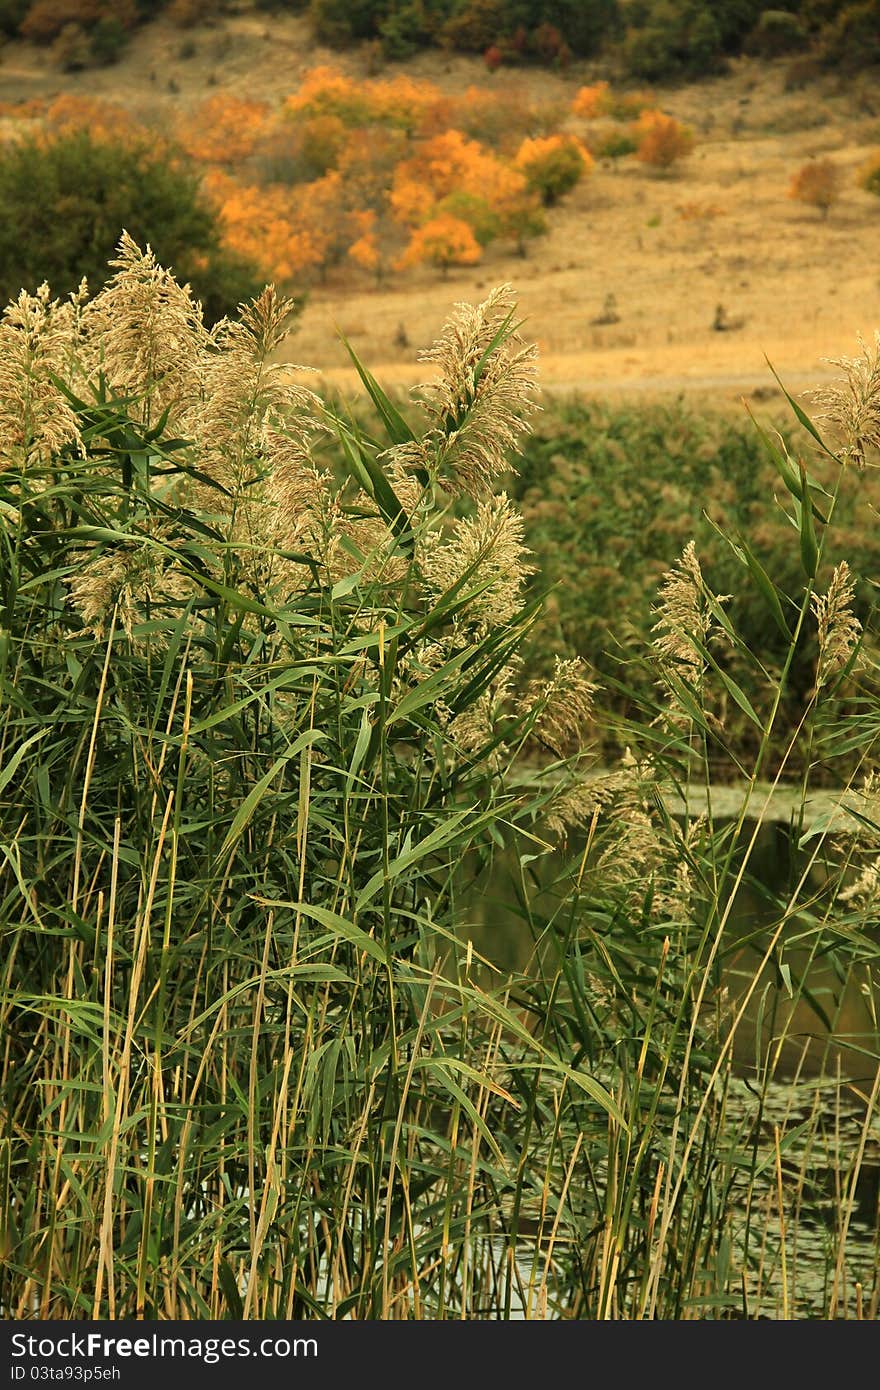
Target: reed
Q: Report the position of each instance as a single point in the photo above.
(266, 735)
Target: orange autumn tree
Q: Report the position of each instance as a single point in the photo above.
(366, 167)
(291, 233)
(224, 129)
(365, 251)
(365, 174)
(403, 103)
(104, 120)
(368, 163)
(590, 102)
(324, 91)
(325, 211)
(817, 183)
(444, 241)
(399, 102)
(553, 165)
(262, 225)
(451, 176)
(662, 140)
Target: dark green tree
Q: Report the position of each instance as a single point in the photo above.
(67, 202)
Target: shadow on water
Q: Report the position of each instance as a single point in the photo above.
(804, 1061)
(806, 1031)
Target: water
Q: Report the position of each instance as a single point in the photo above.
(804, 1072)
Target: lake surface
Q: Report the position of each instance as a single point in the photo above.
(815, 1094)
(776, 864)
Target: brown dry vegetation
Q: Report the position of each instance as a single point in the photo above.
(671, 248)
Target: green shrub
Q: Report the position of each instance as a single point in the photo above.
(553, 167)
(107, 40)
(68, 201)
(405, 30)
(476, 26)
(72, 51)
(614, 145)
(483, 220)
(584, 25)
(289, 697)
(777, 32)
(681, 39)
(852, 40)
(339, 22)
(46, 19)
(541, 28)
(12, 12)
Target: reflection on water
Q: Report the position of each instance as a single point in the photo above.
(790, 1029)
(803, 1098)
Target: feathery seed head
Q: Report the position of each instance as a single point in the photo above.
(487, 547)
(682, 613)
(483, 399)
(146, 332)
(138, 578)
(864, 892)
(36, 336)
(636, 849)
(576, 803)
(851, 405)
(839, 629)
(564, 705)
(239, 388)
(299, 494)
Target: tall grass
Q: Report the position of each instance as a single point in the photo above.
(610, 496)
(265, 736)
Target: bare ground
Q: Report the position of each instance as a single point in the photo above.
(795, 288)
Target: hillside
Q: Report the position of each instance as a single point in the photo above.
(670, 249)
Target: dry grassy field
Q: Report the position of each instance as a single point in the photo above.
(671, 249)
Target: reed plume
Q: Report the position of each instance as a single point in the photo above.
(851, 405)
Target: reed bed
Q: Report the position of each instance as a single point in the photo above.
(268, 729)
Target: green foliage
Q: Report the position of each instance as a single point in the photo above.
(555, 171)
(777, 32)
(483, 220)
(263, 784)
(653, 39)
(71, 51)
(107, 40)
(686, 38)
(339, 22)
(852, 39)
(614, 145)
(68, 201)
(405, 30)
(682, 38)
(583, 24)
(477, 26)
(611, 497)
(47, 19)
(268, 733)
(522, 26)
(12, 12)
(523, 222)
